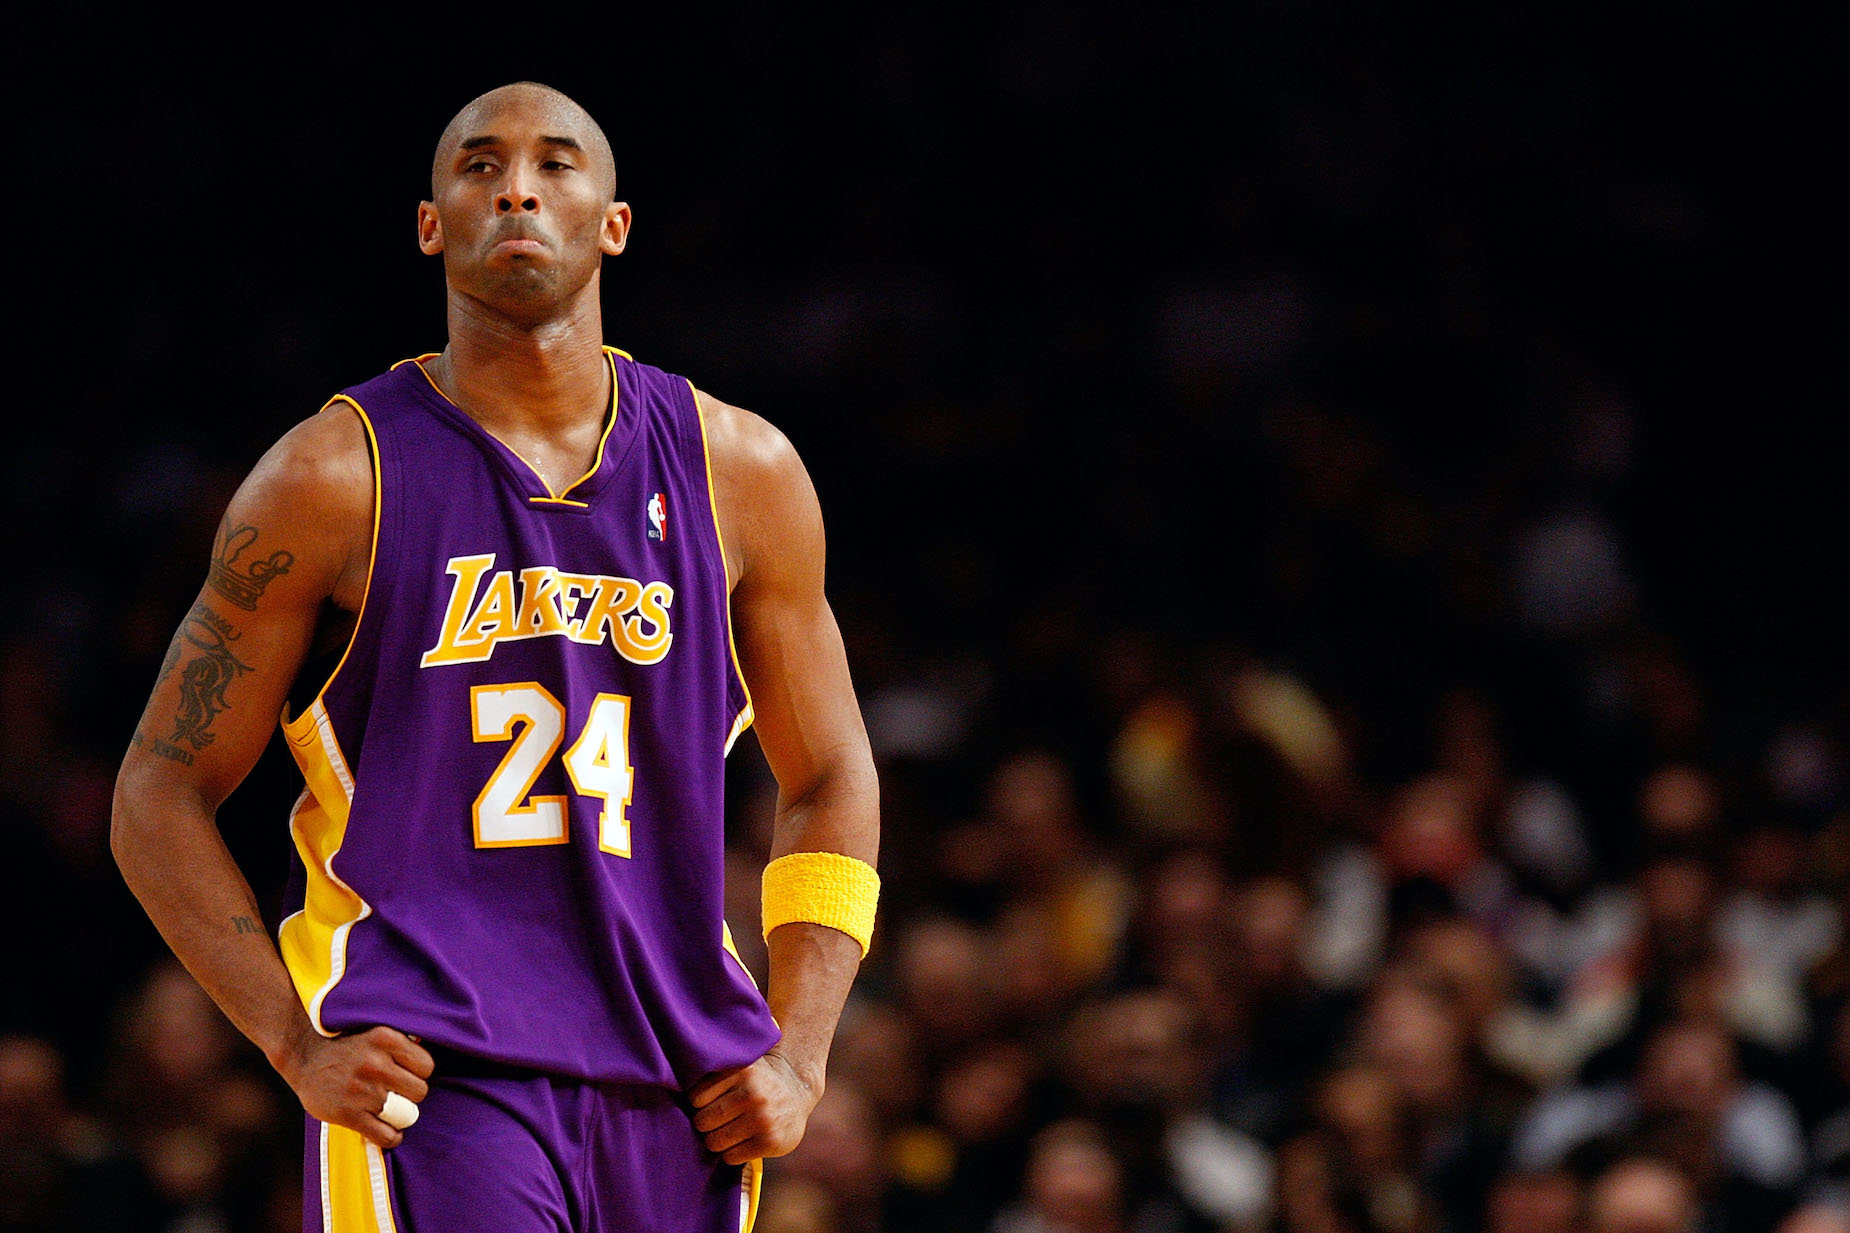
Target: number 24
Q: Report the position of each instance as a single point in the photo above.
(598, 763)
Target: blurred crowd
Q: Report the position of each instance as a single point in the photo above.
(1439, 1007)
(1312, 652)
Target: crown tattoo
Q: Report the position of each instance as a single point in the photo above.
(243, 582)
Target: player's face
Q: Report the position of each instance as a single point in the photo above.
(522, 213)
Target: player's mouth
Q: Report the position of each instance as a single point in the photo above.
(517, 240)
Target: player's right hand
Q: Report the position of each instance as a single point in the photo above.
(344, 1080)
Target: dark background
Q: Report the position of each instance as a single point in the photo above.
(1120, 345)
(856, 223)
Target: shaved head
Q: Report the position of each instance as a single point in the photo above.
(574, 122)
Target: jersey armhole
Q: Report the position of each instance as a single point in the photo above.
(372, 562)
(743, 719)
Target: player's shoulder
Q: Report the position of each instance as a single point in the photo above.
(311, 494)
(321, 465)
(743, 443)
(765, 501)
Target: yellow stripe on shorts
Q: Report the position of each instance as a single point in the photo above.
(748, 1198)
(355, 1195)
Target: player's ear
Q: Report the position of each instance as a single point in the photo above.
(430, 229)
(616, 228)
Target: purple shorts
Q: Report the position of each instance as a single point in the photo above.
(516, 1152)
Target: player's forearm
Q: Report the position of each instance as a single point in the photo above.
(167, 844)
(813, 966)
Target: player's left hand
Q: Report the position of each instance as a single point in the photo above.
(754, 1111)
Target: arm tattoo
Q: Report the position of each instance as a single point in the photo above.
(174, 649)
(242, 581)
(244, 924)
(206, 676)
(161, 749)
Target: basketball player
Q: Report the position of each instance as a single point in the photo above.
(495, 594)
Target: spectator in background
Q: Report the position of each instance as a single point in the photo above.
(841, 1162)
(1288, 1026)
(964, 1161)
(797, 1205)
(1825, 1100)
(877, 1050)
(1369, 1137)
(1186, 909)
(1818, 1217)
(1458, 962)
(48, 1155)
(945, 983)
(1135, 1067)
(1641, 1195)
(1737, 1145)
(1318, 1193)
(1074, 1184)
(1428, 861)
(1457, 1125)
(199, 1125)
(1535, 1203)
(1052, 876)
(1776, 927)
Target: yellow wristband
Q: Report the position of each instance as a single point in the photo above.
(825, 888)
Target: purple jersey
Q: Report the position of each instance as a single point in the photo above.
(511, 840)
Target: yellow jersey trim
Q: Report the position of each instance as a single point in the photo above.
(610, 424)
(743, 719)
(313, 941)
(372, 556)
(732, 948)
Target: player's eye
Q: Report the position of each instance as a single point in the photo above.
(479, 166)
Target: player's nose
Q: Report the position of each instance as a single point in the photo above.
(516, 196)
(510, 201)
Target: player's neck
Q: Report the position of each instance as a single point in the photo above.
(508, 373)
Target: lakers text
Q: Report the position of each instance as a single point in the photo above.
(487, 609)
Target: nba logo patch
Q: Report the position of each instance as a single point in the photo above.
(658, 517)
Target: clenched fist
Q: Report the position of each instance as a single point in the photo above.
(345, 1080)
(754, 1111)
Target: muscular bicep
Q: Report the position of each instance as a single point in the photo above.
(802, 698)
(285, 547)
(790, 647)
